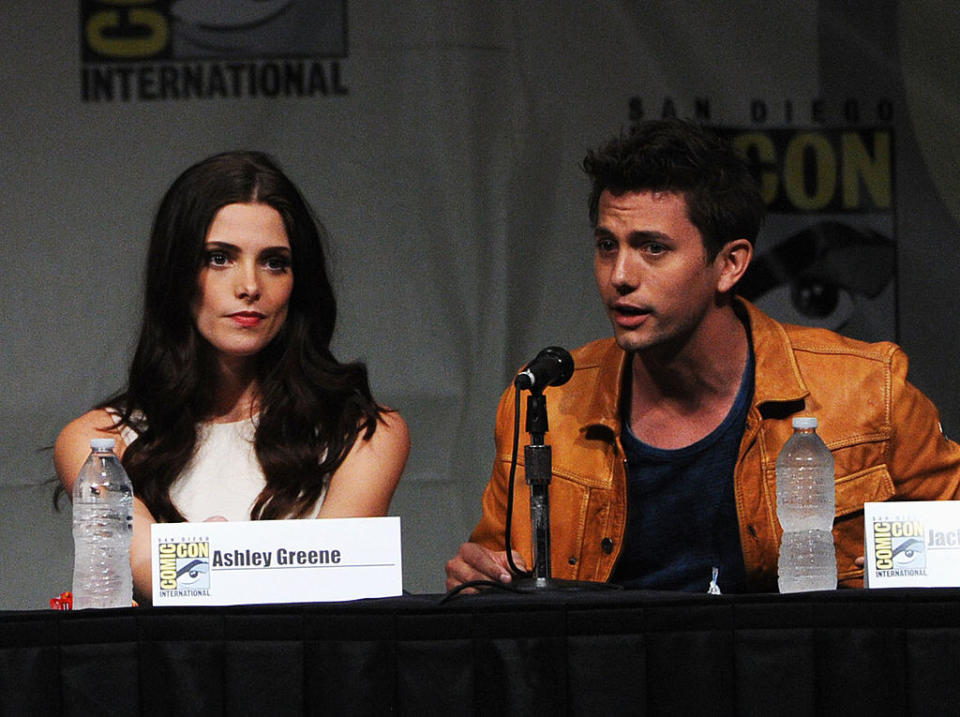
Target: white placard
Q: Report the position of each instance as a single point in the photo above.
(273, 561)
(912, 544)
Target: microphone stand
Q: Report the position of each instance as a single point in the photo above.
(538, 463)
(538, 467)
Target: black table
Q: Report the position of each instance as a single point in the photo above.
(881, 652)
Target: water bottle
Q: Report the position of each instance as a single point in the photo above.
(805, 507)
(102, 527)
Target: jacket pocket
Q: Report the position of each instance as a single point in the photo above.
(867, 486)
(871, 485)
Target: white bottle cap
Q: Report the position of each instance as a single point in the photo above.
(102, 444)
(804, 421)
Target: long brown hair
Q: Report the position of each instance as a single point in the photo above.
(312, 407)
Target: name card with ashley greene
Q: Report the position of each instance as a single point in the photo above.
(275, 561)
(912, 544)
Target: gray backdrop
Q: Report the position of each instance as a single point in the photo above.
(440, 146)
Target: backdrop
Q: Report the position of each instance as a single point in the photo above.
(440, 143)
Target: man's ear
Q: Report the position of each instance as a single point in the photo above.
(732, 262)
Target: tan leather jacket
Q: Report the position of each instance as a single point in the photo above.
(884, 434)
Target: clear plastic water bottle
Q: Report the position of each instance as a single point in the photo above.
(805, 506)
(102, 528)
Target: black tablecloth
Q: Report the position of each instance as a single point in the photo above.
(881, 652)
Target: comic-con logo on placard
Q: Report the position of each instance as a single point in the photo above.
(184, 568)
(899, 548)
(138, 50)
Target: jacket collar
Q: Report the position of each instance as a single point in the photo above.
(601, 406)
(776, 373)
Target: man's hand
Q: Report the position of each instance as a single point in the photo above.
(474, 562)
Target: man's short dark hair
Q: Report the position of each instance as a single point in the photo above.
(672, 155)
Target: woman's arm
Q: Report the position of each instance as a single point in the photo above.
(69, 453)
(364, 483)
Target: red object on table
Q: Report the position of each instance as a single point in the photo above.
(64, 601)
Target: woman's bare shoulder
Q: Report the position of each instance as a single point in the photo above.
(393, 424)
(364, 483)
(98, 423)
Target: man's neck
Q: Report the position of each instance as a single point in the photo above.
(680, 394)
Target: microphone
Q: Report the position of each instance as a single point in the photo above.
(552, 367)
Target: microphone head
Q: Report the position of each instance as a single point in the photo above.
(552, 367)
(564, 364)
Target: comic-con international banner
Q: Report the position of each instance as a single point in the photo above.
(203, 49)
(826, 256)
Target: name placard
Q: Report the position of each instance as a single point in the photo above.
(912, 544)
(273, 561)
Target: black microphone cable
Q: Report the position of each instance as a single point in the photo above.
(516, 571)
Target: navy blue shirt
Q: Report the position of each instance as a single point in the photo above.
(681, 514)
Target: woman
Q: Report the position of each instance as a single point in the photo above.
(235, 408)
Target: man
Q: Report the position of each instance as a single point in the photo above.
(665, 440)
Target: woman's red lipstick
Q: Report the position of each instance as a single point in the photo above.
(247, 318)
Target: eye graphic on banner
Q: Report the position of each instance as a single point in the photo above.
(225, 14)
(220, 28)
(815, 276)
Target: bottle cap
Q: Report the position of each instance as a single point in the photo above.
(804, 421)
(102, 444)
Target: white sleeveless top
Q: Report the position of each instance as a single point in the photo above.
(224, 476)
